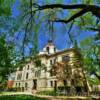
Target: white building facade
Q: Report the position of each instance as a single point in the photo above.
(31, 77)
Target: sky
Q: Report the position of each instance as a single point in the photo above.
(61, 37)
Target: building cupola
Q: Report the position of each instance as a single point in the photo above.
(49, 48)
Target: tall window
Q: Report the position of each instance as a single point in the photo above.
(26, 85)
(48, 50)
(51, 62)
(51, 83)
(37, 73)
(19, 84)
(28, 67)
(64, 81)
(27, 76)
(16, 84)
(19, 76)
(54, 49)
(52, 72)
(54, 60)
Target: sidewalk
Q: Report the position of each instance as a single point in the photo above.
(15, 93)
(52, 97)
(68, 97)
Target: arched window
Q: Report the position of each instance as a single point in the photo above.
(19, 76)
(16, 84)
(19, 84)
(54, 49)
(48, 50)
(51, 83)
(51, 62)
(27, 76)
(26, 86)
(28, 67)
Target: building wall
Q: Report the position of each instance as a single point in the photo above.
(44, 80)
(30, 75)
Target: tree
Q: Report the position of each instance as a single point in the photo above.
(90, 50)
(6, 65)
(36, 17)
(48, 12)
(5, 7)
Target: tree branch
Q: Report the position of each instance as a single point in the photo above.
(93, 29)
(52, 6)
(95, 10)
(80, 13)
(69, 32)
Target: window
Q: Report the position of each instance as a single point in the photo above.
(19, 84)
(52, 72)
(54, 49)
(28, 67)
(65, 58)
(19, 76)
(27, 76)
(51, 83)
(47, 50)
(54, 60)
(37, 73)
(64, 81)
(16, 84)
(26, 85)
(51, 62)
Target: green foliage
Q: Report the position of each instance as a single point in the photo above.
(5, 7)
(31, 23)
(37, 62)
(91, 54)
(6, 65)
(20, 97)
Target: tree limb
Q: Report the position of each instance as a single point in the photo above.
(80, 13)
(93, 29)
(95, 10)
(69, 32)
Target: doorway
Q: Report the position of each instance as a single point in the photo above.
(35, 84)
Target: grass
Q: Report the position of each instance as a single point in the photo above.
(51, 93)
(20, 97)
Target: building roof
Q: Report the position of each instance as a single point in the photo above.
(56, 53)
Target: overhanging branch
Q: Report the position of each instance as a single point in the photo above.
(95, 10)
(80, 13)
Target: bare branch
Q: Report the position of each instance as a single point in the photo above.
(70, 30)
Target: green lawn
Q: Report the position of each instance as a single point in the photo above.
(20, 97)
(50, 93)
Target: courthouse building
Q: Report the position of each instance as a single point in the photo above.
(32, 77)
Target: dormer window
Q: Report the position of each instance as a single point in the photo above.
(48, 50)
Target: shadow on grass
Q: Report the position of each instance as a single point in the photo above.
(20, 97)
